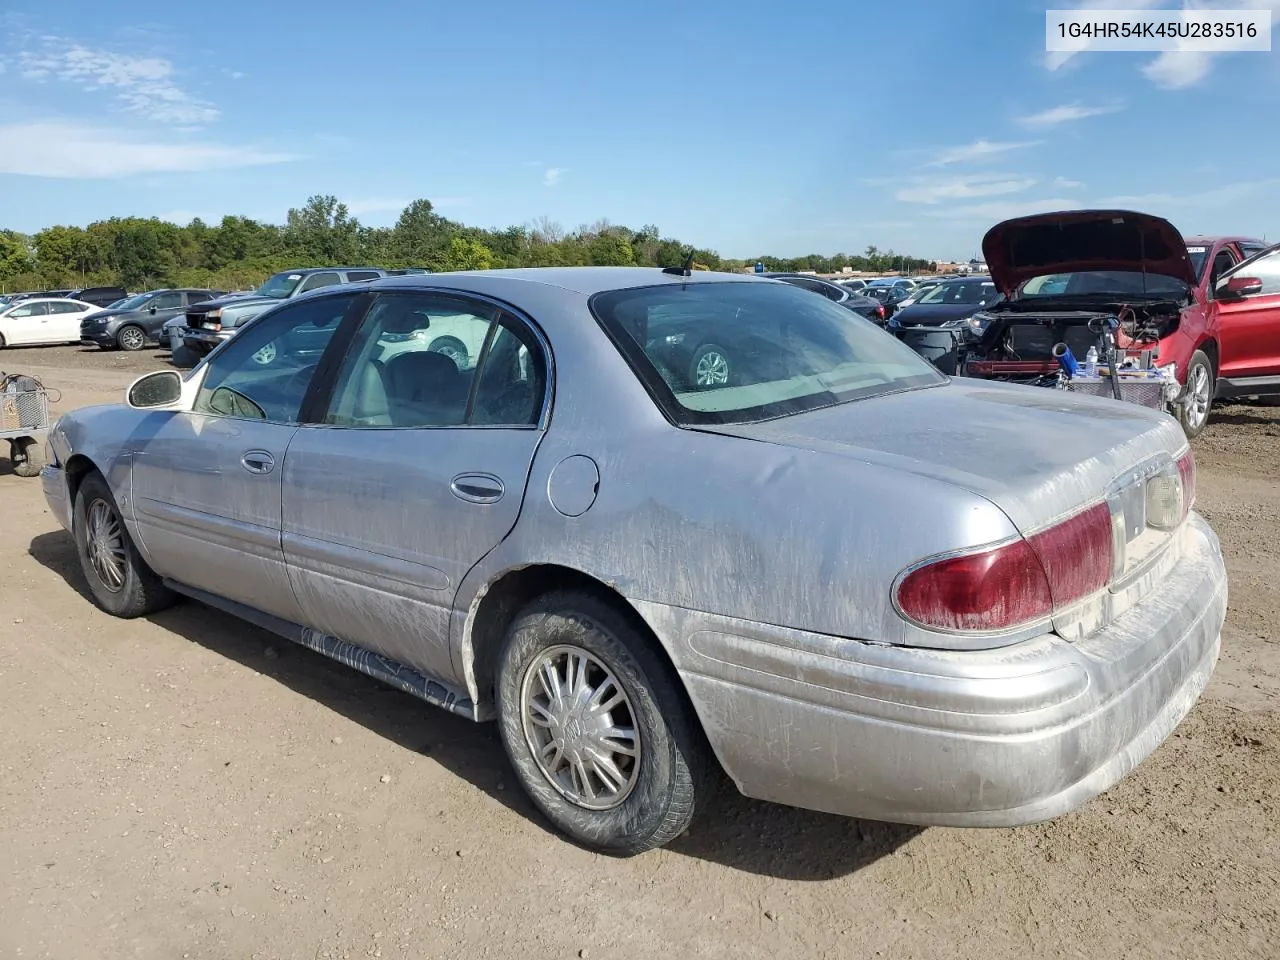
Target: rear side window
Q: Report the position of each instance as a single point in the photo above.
(354, 276)
(318, 280)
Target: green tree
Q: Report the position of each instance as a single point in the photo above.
(610, 250)
(322, 232)
(465, 254)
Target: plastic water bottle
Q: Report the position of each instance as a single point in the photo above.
(1091, 362)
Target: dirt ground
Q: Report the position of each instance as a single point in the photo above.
(188, 786)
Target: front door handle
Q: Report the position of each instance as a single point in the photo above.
(477, 487)
(258, 461)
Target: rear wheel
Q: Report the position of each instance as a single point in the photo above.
(596, 727)
(1197, 395)
(131, 337)
(119, 579)
(451, 347)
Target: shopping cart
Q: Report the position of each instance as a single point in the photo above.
(24, 421)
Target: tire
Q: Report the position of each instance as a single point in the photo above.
(1197, 395)
(131, 337)
(184, 356)
(2, 342)
(710, 367)
(669, 774)
(453, 348)
(27, 454)
(138, 591)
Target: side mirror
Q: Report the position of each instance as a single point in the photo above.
(152, 311)
(157, 389)
(1240, 287)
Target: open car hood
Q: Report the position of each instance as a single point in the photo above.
(1076, 240)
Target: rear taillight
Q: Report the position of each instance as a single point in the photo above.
(880, 312)
(1187, 471)
(1014, 584)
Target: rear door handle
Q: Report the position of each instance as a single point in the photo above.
(258, 461)
(477, 487)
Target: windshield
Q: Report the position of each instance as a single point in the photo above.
(1109, 283)
(133, 303)
(972, 292)
(726, 352)
(1199, 256)
(281, 286)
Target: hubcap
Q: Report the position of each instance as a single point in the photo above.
(580, 727)
(131, 338)
(106, 545)
(266, 355)
(1198, 396)
(450, 350)
(713, 370)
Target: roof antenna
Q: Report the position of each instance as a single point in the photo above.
(685, 269)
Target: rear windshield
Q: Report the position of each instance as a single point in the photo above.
(735, 352)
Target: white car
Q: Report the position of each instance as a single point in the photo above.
(43, 320)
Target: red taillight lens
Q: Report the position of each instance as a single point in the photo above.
(1017, 583)
(991, 590)
(880, 312)
(1077, 554)
(1187, 471)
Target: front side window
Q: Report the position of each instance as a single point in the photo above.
(31, 310)
(167, 301)
(1266, 269)
(263, 373)
(735, 352)
(438, 360)
(318, 280)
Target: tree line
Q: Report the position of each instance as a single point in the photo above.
(144, 253)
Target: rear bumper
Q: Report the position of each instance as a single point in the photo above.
(988, 738)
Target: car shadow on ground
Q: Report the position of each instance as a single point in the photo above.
(732, 830)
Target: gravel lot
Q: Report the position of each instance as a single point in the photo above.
(188, 786)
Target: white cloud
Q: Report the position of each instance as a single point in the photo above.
(72, 151)
(1059, 58)
(978, 150)
(376, 205)
(142, 85)
(936, 190)
(553, 175)
(1062, 183)
(1213, 197)
(1004, 209)
(1066, 113)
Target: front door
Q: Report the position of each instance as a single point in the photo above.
(1249, 327)
(26, 323)
(207, 482)
(162, 308)
(417, 471)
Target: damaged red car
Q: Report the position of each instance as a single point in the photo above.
(1205, 309)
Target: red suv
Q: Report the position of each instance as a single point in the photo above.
(1209, 306)
(1227, 343)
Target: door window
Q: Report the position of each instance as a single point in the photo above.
(166, 301)
(263, 373)
(1266, 269)
(66, 308)
(433, 360)
(318, 280)
(1223, 261)
(356, 275)
(31, 310)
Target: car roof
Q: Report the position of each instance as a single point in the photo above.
(1199, 241)
(582, 280)
(47, 300)
(307, 270)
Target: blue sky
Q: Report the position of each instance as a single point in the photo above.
(736, 126)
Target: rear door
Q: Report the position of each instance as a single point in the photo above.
(207, 481)
(1249, 327)
(416, 472)
(64, 321)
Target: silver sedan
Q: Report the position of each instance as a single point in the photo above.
(656, 523)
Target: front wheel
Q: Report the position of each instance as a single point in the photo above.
(131, 338)
(1197, 396)
(119, 579)
(596, 726)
